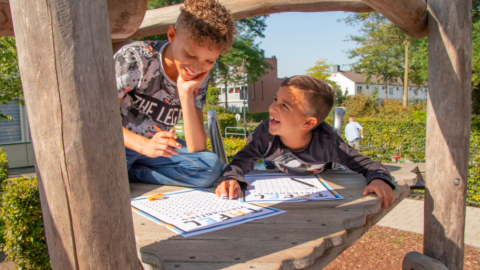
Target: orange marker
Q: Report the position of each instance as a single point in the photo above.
(172, 140)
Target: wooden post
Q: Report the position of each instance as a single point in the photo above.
(65, 57)
(448, 129)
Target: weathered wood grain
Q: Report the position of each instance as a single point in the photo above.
(157, 20)
(293, 240)
(448, 129)
(125, 17)
(65, 59)
(416, 261)
(408, 15)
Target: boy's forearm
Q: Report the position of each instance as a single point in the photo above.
(195, 136)
(133, 141)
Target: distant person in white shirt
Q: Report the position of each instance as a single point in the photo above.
(352, 135)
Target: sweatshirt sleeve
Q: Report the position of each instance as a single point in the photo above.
(244, 161)
(343, 154)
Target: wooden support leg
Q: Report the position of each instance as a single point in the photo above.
(65, 58)
(448, 129)
(416, 261)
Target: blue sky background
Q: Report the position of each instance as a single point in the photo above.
(298, 40)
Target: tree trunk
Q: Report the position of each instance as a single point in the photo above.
(386, 90)
(226, 94)
(405, 80)
(68, 78)
(448, 129)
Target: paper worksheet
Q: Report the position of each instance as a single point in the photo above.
(196, 211)
(279, 187)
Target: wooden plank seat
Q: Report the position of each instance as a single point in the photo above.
(309, 234)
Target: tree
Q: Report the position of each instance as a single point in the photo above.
(476, 57)
(212, 95)
(376, 55)
(10, 84)
(245, 62)
(322, 70)
(385, 51)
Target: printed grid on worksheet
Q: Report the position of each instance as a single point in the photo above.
(286, 186)
(198, 211)
(192, 204)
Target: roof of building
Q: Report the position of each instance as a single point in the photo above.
(362, 78)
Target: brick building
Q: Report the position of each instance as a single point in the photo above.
(261, 93)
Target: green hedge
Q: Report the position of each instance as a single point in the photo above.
(3, 166)
(3, 176)
(24, 234)
(257, 116)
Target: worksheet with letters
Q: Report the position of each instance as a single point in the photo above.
(279, 187)
(196, 211)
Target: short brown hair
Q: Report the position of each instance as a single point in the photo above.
(318, 96)
(208, 20)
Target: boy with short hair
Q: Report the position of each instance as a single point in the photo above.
(158, 83)
(296, 140)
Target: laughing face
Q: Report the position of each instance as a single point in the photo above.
(287, 115)
(191, 59)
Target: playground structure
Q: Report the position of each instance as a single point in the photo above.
(65, 57)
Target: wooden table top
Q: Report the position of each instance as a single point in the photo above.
(308, 236)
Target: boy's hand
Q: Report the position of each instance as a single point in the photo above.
(186, 88)
(382, 189)
(160, 145)
(230, 188)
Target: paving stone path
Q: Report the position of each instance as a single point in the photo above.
(408, 216)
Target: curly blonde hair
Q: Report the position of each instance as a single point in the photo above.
(208, 20)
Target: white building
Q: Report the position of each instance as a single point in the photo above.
(353, 83)
(15, 136)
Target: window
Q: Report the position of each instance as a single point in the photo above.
(230, 90)
(397, 88)
(367, 87)
(383, 87)
(253, 90)
(359, 87)
(237, 90)
(390, 90)
(223, 90)
(261, 90)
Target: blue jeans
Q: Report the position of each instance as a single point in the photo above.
(186, 169)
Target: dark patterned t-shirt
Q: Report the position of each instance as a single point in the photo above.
(149, 97)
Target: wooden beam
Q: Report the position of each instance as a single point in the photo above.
(125, 16)
(448, 129)
(65, 58)
(408, 15)
(157, 20)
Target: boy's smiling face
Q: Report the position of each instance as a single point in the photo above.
(189, 57)
(287, 114)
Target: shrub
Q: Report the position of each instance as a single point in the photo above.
(3, 176)
(257, 116)
(24, 234)
(3, 166)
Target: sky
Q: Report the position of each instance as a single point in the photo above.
(298, 40)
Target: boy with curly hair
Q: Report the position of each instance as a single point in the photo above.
(158, 83)
(296, 140)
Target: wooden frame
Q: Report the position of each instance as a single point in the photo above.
(68, 80)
